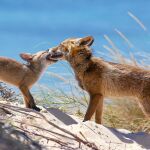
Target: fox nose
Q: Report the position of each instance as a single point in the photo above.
(50, 50)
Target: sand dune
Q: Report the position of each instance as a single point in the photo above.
(53, 129)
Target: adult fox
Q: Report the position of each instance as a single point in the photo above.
(24, 76)
(104, 79)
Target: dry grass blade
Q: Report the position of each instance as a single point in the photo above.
(57, 76)
(117, 55)
(137, 20)
(124, 38)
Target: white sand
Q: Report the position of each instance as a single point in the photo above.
(54, 129)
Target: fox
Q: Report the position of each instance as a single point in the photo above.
(102, 79)
(24, 76)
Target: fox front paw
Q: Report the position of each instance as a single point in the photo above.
(36, 108)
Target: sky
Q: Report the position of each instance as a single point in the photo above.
(35, 25)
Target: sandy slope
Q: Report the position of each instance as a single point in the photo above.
(54, 129)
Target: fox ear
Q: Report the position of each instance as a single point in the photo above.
(26, 56)
(87, 41)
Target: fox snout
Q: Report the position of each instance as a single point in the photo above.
(54, 55)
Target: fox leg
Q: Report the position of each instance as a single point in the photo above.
(29, 101)
(99, 111)
(94, 101)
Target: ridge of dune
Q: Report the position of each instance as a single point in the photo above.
(53, 129)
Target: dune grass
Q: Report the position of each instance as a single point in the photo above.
(125, 114)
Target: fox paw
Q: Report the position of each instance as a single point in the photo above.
(36, 108)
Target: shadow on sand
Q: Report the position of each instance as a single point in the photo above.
(140, 138)
(66, 119)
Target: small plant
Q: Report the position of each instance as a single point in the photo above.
(7, 93)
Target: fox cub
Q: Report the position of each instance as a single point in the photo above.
(24, 76)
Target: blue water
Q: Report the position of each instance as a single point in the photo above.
(30, 26)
